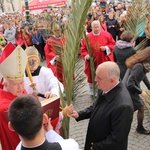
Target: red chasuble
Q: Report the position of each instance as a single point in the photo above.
(9, 139)
(96, 41)
(51, 52)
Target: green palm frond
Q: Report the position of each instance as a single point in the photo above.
(92, 68)
(141, 45)
(73, 33)
(65, 123)
(136, 17)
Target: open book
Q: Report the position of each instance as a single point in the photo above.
(51, 107)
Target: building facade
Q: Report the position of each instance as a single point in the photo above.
(11, 6)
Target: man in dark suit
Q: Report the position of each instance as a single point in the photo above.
(112, 113)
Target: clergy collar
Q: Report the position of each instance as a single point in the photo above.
(96, 34)
(36, 72)
(112, 93)
(111, 88)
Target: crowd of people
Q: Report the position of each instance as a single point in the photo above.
(115, 60)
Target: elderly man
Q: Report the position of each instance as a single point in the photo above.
(112, 113)
(12, 66)
(102, 45)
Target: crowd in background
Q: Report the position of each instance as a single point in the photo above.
(16, 29)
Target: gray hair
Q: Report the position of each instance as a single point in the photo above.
(95, 22)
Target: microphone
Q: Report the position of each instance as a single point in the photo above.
(36, 93)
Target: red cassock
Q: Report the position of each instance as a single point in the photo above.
(9, 139)
(51, 52)
(96, 41)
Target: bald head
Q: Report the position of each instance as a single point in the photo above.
(107, 75)
(112, 69)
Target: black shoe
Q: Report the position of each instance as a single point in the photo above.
(141, 130)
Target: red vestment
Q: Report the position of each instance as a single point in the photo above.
(51, 52)
(96, 41)
(9, 139)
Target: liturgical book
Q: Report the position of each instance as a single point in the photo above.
(51, 107)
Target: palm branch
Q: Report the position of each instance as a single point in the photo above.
(92, 68)
(141, 45)
(136, 17)
(73, 33)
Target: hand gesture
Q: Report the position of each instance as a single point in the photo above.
(87, 57)
(103, 48)
(49, 95)
(75, 114)
(58, 58)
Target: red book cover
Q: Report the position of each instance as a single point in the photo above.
(51, 107)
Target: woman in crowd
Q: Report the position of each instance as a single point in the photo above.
(38, 41)
(121, 23)
(124, 49)
(94, 16)
(27, 37)
(102, 21)
(18, 36)
(112, 24)
(139, 64)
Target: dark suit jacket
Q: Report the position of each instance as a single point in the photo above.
(110, 120)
